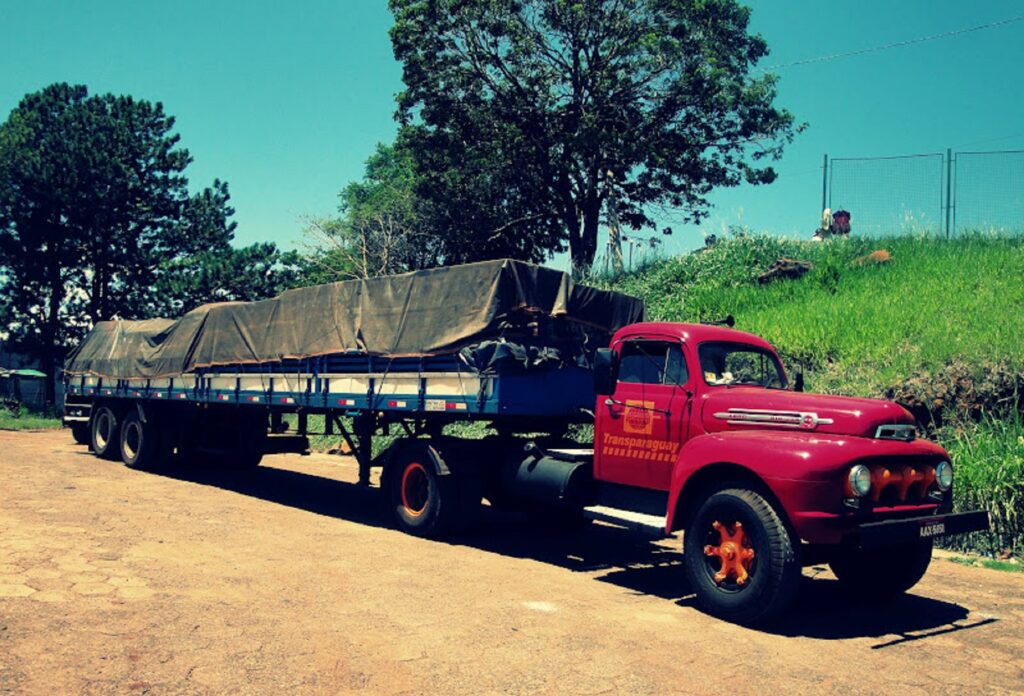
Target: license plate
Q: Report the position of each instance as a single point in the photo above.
(932, 529)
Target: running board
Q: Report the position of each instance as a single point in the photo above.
(648, 525)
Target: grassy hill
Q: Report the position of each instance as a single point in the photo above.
(859, 329)
(939, 327)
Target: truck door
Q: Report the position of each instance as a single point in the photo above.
(640, 428)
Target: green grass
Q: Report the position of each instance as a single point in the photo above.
(989, 459)
(990, 563)
(861, 329)
(28, 420)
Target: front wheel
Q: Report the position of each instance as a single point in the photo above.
(884, 572)
(741, 560)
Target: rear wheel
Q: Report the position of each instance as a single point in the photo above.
(740, 558)
(884, 572)
(105, 433)
(81, 432)
(250, 438)
(144, 445)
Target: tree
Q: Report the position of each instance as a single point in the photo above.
(516, 111)
(383, 227)
(225, 274)
(94, 206)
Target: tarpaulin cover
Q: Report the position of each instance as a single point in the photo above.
(423, 313)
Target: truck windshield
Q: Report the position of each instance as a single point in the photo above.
(725, 364)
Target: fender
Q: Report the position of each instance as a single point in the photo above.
(387, 457)
(803, 470)
(141, 411)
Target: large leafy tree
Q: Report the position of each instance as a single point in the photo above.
(525, 115)
(94, 214)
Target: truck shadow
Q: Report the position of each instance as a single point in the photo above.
(317, 494)
(611, 554)
(822, 610)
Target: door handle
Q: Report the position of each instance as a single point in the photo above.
(610, 403)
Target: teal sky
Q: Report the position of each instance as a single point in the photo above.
(285, 101)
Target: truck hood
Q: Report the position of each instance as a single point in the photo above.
(749, 408)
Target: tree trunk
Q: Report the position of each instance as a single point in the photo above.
(51, 329)
(583, 246)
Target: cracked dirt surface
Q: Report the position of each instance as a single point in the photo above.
(286, 579)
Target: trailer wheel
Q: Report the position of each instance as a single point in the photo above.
(740, 558)
(424, 503)
(250, 439)
(105, 433)
(885, 572)
(143, 445)
(81, 433)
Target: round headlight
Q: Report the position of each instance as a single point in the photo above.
(860, 480)
(944, 476)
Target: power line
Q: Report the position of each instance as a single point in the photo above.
(898, 44)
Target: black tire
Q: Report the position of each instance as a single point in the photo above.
(423, 502)
(245, 455)
(884, 572)
(763, 550)
(105, 433)
(144, 445)
(250, 439)
(81, 433)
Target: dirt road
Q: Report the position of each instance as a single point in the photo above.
(285, 580)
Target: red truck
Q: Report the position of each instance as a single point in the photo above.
(695, 427)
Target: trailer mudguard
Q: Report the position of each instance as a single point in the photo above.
(437, 462)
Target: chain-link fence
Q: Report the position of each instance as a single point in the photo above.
(988, 191)
(946, 194)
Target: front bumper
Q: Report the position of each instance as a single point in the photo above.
(875, 535)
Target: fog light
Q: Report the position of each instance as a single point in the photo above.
(944, 476)
(860, 480)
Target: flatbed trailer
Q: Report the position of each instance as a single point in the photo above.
(397, 386)
(697, 428)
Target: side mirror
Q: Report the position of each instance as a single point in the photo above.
(798, 383)
(606, 371)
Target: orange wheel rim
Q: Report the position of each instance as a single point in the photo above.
(415, 489)
(734, 551)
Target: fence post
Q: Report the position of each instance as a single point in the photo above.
(824, 185)
(949, 187)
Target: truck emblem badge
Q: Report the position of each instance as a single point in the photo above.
(805, 420)
(639, 419)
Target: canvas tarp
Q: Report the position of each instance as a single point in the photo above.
(429, 312)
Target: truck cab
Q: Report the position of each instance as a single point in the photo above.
(763, 478)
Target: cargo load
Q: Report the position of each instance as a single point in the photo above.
(491, 311)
